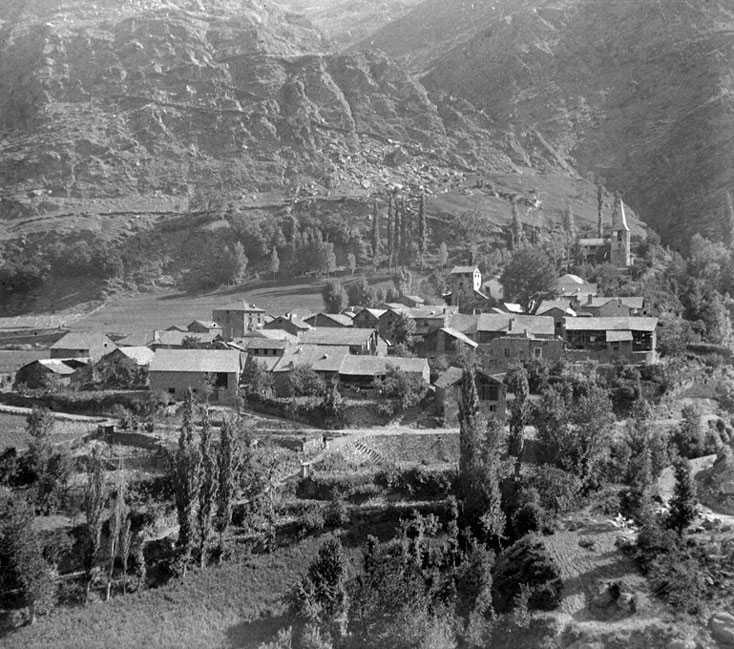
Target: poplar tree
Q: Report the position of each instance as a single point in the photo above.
(186, 481)
(422, 229)
(405, 234)
(228, 463)
(729, 221)
(274, 262)
(599, 209)
(390, 233)
(95, 495)
(515, 228)
(397, 229)
(207, 488)
(683, 503)
(375, 240)
(443, 255)
(118, 514)
(519, 415)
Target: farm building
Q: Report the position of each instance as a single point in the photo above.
(498, 354)
(290, 323)
(368, 318)
(363, 371)
(322, 359)
(355, 340)
(176, 370)
(79, 344)
(47, 372)
(611, 307)
(607, 339)
(491, 390)
(444, 341)
(12, 360)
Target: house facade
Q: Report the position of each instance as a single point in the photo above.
(491, 390)
(289, 323)
(237, 319)
(607, 339)
(174, 371)
(82, 345)
(500, 353)
(354, 340)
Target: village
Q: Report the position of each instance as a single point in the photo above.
(355, 350)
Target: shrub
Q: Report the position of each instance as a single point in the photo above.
(337, 512)
(526, 562)
(558, 489)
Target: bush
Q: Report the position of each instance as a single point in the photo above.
(337, 512)
(558, 489)
(526, 563)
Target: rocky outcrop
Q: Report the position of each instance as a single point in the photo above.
(716, 485)
(639, 93)
(722, 628)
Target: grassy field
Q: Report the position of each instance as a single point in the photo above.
(147, 311)
(238, 604)
(12, 431)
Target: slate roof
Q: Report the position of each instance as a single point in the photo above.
(570, 278)
(340, 318)
(464, 322)
(461, 270)
(592, 241)
(450, 377)
(176, 338)
(321, 358)
(267, 343)
(511, 323)
(611, 324)
(57, 366)
(454, 333)
(353, 365)
(196, 360)
(376, 313)
(633, 302)
(141, 355)
(83, 340)
(296, 321)
(138, 339)
(209, 324)
(336, 336)
(563, 305)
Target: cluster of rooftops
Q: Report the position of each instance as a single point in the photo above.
(356, 343)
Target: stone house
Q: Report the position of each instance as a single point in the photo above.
(176, 370)
(290, 323)
(329, 320)
(79, 344)
(354, 340)
(491, 390)
(238, 318)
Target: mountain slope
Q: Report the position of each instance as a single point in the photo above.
(639, 93)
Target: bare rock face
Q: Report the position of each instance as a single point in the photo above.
(635, 92)
(722, 628)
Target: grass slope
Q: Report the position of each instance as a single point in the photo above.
(237, 604)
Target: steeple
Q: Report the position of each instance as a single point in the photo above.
(619, 219)
(619, 247)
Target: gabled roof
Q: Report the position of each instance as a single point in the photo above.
(375, 313)
(464, 322)
(296, 321)
(57, 366)
(454, 333)
(266, 343)
(609, 324)
(570, 278)
(574, 291)
(463, 270)
(357, 365)
(548, 305)
(209, 324)
(141, 355)
(339, 318)
(176, 328)
(176, 338)
(454, 374)
(511, 323)
(137, 339)
(513, 307)
(633, 302)
(196, 360)
(336, 336)
(415, 298)
(431, 312)
(321, 358)
(83, 340)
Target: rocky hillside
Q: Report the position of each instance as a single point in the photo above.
(638, 93)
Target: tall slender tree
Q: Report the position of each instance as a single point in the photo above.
(422, 230)
(207, 487)
(728, 222)
(683, 503)
(519, 415)
(95, 496)
(516, 232)
(186, 481)
(599, 209)
(375, 238)
(397, 229)
(117, 519)
(405, 232)
(390, 233)
(228, 460)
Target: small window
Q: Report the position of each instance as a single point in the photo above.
(171, 390)
(538, 352)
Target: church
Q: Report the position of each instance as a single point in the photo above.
(616, 249)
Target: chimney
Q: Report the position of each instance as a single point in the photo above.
(589, 298)
(509, 324)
